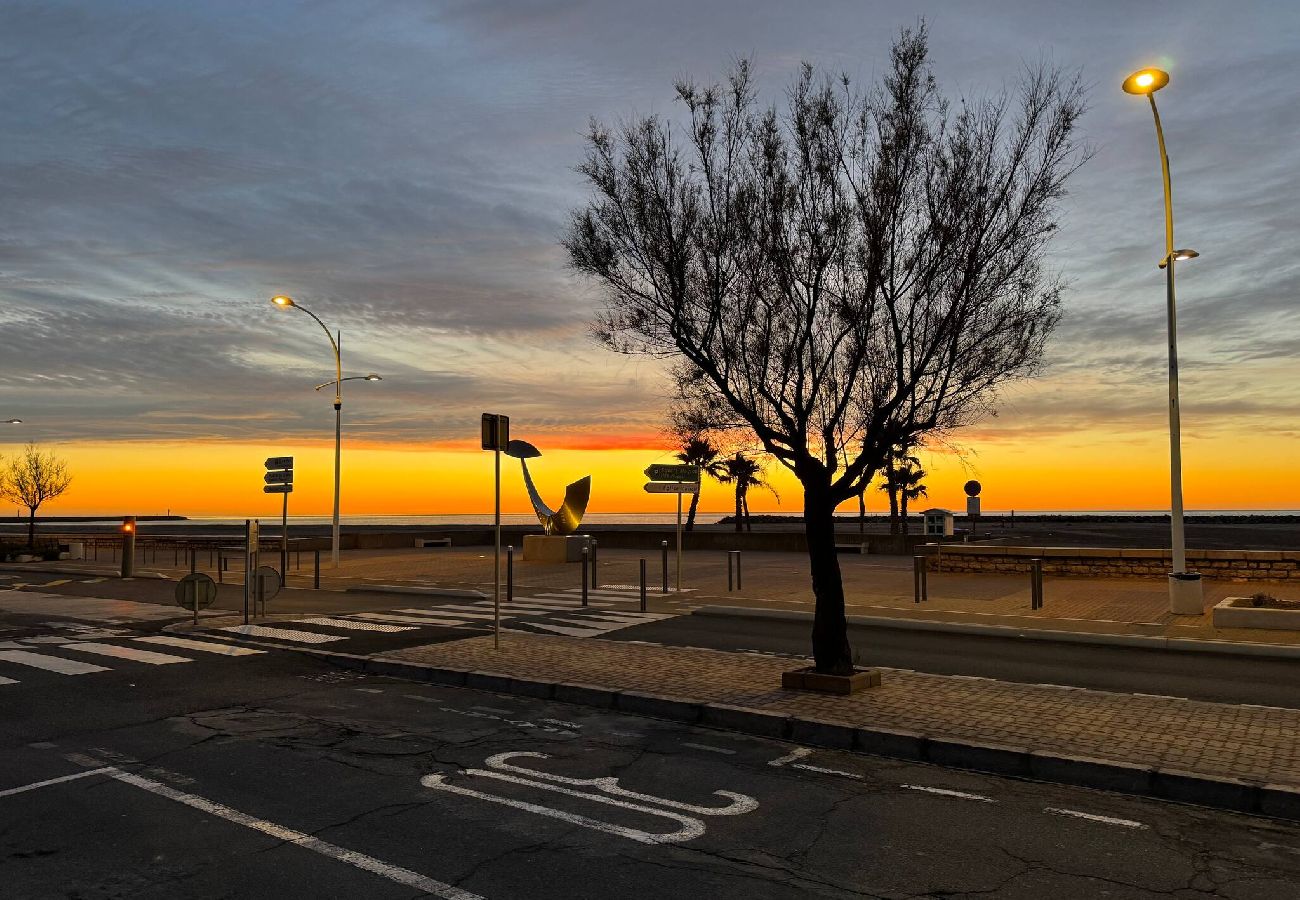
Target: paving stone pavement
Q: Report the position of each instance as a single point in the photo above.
(1251, 743)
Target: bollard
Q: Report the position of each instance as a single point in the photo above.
(221, 568)
(739, 580)
(585, 574)
(595, 583)
(315, 579)
(1035, 584)
(663, 545)
(730, 579)
(194, 560)
(920, 590)
(642, 585)
(176, 554)
(510, 573)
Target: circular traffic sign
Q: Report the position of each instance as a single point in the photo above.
(269, 583)
(196, 587)
(972, 488)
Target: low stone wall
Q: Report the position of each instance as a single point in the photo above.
(1102, 562)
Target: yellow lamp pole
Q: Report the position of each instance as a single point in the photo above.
(286, 303)
(1185, 593)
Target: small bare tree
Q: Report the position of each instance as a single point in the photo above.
(839, 277)
(30, 479)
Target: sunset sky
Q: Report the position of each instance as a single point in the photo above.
(405, 168)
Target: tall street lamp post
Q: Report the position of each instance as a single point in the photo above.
(285, 303)
(1185, 594)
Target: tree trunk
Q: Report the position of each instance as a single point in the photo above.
(690, 516)
(893, 508)
(902, 512)
(862, 513)
(830, 637)
(31, 529)
(740, 522)
(744, 504)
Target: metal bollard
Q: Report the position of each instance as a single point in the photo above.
(663, 546)
(510, 573)
(586, 574)
(642, 585)
(920, 589)
(730, 578)
(315, 579)
(194, 560)
(1035, 584)
(739, 580)
(221, 568)
(595, 582)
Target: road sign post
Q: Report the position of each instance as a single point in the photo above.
(196, 591)
(252, 539)
(496, 437)
(279, 480)
(674, 479)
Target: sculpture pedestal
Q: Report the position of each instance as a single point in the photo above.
(555, 548)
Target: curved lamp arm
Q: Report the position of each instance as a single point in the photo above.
(371, 377)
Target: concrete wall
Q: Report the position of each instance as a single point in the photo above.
(1101, 562)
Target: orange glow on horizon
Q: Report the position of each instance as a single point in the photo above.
(225, 479)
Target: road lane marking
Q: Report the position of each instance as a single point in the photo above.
(354, 626)
(796, 753)
(824, 771)
(299, 637)
(944, 792)
(103, 770)
(201, 646)
(708, 748)
(306, 841)
(56, 583)
(1093, 817)
(50, 663)
(148, 657)
(4, 680)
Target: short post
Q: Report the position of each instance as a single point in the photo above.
(194, 560)
(586, 574)
(510, 573)
(664, 547)
(315, 578)
(128, 546)
(221, 568)
(176, 553)
(595, 581)
(920, 590)
(730, 578)
(1035, 584)
(643, 604)
(739, 581)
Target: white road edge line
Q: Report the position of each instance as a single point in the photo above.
(105, 770)
(306, 841)
(1092, 817)
(944, 792)
(824, 771)
(796, 753)
(710, 749)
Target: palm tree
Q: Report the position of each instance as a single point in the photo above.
(744, 473)
(697, 451)
(903, 474)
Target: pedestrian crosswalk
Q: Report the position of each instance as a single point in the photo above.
(558, 612)
(69, 657)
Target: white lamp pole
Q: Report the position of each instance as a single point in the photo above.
(1185, 593)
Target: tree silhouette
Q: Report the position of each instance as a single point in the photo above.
(699, 451)
(30, 479)
(837, 277)
(744, 473)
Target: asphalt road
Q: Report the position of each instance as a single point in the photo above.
(273, 774)
(1198, 676)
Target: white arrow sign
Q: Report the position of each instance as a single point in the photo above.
(672, 487)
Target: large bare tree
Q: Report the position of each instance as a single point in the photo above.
(31, 478)
(839, 275)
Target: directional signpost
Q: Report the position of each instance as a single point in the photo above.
(279, 480)
(674, 479)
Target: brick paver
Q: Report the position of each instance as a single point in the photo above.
(1215, 739)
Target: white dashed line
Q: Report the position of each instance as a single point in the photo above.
(944, 792)
(708, 748)
(823, 771)
(1092, 817)
(796, 753)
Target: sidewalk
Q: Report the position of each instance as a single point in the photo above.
(1241, 757)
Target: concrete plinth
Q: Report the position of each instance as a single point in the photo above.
(555, 548)
(1186, 597)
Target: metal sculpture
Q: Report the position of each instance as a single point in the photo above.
(566, 519)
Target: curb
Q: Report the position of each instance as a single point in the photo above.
(1185, 645)
(95, 573)
(1236, 795)
(453, 593)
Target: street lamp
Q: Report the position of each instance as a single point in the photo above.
(1185, 594)
(284, 302)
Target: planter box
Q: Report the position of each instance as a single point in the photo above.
(1225, 615)
(808, 680)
